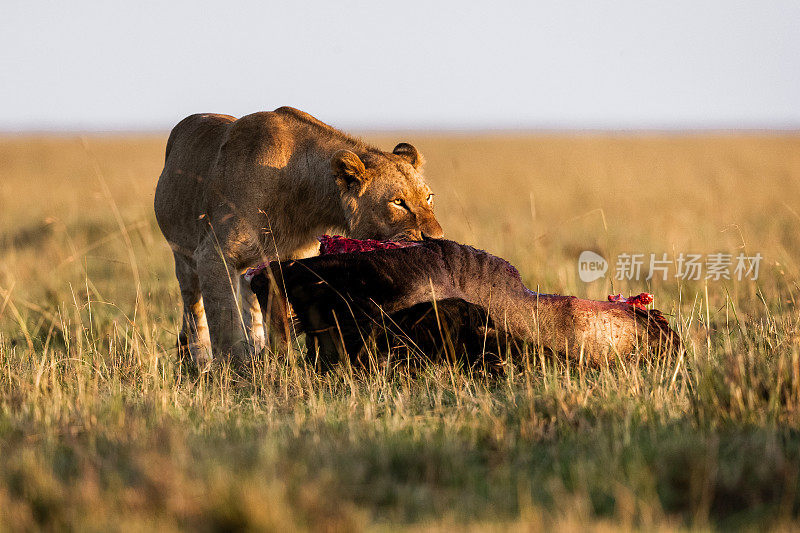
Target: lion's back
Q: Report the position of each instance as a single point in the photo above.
(247, 162)
(232, 173)
(191, 152)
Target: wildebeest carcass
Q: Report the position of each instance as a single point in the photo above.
(439, 297)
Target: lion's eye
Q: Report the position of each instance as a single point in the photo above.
(430, 198)
(399, 202)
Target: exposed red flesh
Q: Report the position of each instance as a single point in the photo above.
(336, 244)
(641, 300)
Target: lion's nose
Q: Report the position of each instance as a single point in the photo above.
(433, 231)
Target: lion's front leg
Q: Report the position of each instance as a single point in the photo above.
(251, 314)
(219, 279)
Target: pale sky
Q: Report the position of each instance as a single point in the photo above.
(141, 65)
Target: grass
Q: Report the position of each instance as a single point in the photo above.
(100, 430)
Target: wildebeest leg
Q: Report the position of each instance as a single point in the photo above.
(194, 331)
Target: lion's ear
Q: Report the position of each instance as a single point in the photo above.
(410, 154)
(349, 171)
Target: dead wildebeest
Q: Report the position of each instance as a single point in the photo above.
(438, 297)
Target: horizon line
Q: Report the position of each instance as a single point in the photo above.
(788, 129)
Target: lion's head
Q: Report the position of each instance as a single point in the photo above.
(384, 195)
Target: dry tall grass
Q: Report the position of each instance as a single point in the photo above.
(99, 429)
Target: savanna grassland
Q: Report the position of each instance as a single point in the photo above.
(99, 428)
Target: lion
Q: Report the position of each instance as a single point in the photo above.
(237, 192)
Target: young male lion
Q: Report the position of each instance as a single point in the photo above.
(234, 193)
